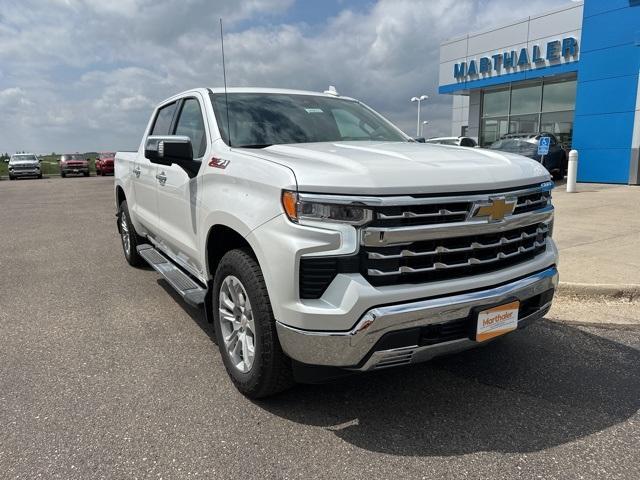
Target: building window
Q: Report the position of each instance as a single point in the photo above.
(525, 99)
(524, 123)
(492, 129)
(495, 103)
(560, 124)
(559, 96)
(541, 106)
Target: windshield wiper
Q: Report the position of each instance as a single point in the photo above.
(254, 145)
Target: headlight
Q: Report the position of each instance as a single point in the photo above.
(298, 209)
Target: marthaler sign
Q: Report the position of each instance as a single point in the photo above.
(513, 59)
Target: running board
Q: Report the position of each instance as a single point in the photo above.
(191, 291)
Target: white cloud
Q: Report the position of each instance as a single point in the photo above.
(84, 75)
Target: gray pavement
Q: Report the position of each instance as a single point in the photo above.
(104, 373)
(597, 231)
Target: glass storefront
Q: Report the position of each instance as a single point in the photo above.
(533, 107)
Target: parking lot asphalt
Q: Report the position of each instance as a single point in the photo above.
(104, 373)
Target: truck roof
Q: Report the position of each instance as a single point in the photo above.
(217, 90)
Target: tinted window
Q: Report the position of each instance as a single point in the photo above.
(350, 126)
(262, 119)
(526, 99)
(559, 123)
(515, 145)
(495, 103)
(191, 124)
(163, 120)
(523, 123)
(559, 96)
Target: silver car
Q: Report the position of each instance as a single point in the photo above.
(24, 165)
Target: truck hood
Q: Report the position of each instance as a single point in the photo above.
(391, 168)
(23, 162)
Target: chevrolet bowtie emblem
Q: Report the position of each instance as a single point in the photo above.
(496, 209)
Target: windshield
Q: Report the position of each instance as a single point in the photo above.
(515, 145)
(66, 158)
(24, 158)
(262, 119)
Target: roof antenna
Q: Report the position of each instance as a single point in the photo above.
(224, 75)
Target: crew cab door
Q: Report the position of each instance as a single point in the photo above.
(177, 193)
(144, 173)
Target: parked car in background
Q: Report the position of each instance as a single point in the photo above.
(527, 144)
(73, 163)
(24, 165)
(104, 163)
(459, 141)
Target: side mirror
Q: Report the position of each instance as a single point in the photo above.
(419, 139)
(172, 149)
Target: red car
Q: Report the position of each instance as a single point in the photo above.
(104, 163)
(73, 163)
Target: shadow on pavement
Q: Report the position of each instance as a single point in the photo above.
(196, 314)
(545, 386)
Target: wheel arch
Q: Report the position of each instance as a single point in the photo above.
(220, 239)
(120, 195)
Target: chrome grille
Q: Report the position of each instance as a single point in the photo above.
(422, 214)
(428, 238)
(25, 167)
(433, 210)
(447, 258)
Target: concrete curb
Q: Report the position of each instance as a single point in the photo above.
(626, 292)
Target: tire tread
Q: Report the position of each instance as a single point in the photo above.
(275, 374)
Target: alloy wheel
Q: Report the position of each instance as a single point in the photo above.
(124, 233)
(237, 323)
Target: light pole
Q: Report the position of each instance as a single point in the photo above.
(419, 100)
(424, 124)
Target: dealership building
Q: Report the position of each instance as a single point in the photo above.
(572, 72)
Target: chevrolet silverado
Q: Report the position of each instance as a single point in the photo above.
(322, 241)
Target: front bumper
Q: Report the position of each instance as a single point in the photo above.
(364, 347)
(74, 169)
(26, 172)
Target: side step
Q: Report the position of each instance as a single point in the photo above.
(191, 291)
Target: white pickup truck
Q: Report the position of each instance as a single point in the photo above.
(322, 241)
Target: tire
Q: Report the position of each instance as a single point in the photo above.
(557, 175)
(40, 176)
(269, 371)
(11, 177)
(63, 175)
(128, 237)
(86, 174)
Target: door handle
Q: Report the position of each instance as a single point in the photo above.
(162, 178)
(136, 172)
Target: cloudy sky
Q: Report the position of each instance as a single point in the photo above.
(83, 75)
